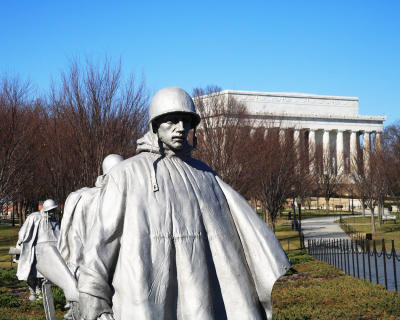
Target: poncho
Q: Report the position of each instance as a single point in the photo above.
(38, 228)
(80, 211)
(173, 241)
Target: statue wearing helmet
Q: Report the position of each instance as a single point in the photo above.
(79, 215)
(172, 100)
(172, 240)
(39, 228)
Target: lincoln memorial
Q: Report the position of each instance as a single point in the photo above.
(330, 122)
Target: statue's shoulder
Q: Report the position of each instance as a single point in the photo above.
(77, 192)
(199, 165)
(33, 217)
(131, 166)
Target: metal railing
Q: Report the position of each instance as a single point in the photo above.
(360, 259)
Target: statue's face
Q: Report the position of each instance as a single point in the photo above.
(51, 212)
(173, 130)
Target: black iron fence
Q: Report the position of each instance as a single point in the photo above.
(360, 258)
(351, 232)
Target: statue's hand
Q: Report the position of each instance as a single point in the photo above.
(106, 316)
(93, 308)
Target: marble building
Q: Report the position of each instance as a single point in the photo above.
(329, 122)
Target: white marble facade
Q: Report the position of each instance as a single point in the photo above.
(330, 122)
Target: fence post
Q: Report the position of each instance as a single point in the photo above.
(394, 257)
(345, 255)
(369, 261)
(341, 254)
(363, 256)
(336, 251)
(376, 262)
(384, 261)
(352, 258)
(314, 248)
(358, 263)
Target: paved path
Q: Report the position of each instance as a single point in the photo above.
(326, 228)
(322, 228)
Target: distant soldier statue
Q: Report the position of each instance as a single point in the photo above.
(80, 212)
(171, 240)
(40, 228)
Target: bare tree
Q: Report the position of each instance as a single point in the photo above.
(92, 113)
(17, 133)
(391, 152)
(223, 136)
(274, 173)
(304, 184)
(327, 176)
(364, 178)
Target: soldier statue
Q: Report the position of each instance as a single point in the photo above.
(171, 240)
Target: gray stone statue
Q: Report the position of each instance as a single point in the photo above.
(80, 212)
(171, 239)
(40, 260)
(39, 229)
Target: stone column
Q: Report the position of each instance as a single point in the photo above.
(353, 151)
(378, 141)
(297, 150)
(282, 136)
(265, 133)
(325, 147)
(296, 140)
(366, 149)
(339, 152)
(311, 147)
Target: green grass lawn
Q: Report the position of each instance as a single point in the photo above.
(388, 231)
(14, 303)
(289, 239)
(8, 238)
(314, 213)
(311, 289)
(315, 290)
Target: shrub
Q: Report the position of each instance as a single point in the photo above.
(7, 300)
(299, 256)
(58, 297)
(8, 277)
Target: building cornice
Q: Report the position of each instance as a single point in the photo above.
(288, 95)
(316, 116)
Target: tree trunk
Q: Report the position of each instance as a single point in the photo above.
(373, 220)
(23, 212)
(327, 205)
(363, 208)
(13, 215)
(380, 213)
(20, 213)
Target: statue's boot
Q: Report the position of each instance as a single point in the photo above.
(31, 285)
(32, 295)
(53, 267)
(68, 315)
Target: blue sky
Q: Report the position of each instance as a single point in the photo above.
(347, 48)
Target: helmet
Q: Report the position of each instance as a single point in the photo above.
(172, 99)
(49, 204)
(110, 161)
